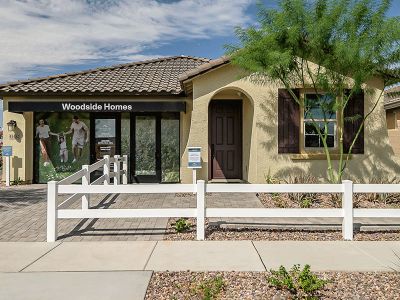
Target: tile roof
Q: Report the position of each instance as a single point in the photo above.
(212, 64)
(392, 97)
(156, 76)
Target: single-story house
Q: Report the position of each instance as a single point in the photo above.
(154, 110)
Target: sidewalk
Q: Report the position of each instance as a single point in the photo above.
(102, 269)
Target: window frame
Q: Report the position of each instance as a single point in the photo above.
(304, 121)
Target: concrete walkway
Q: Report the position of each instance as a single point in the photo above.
(197, 256)
(122, 270)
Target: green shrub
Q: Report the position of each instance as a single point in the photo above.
(303, 284)
(306, 203)
(269, 179)
(210, 289)
(182, 225)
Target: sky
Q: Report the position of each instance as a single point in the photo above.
(47, 37)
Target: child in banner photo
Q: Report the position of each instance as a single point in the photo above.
(63, 148)
(43, 132)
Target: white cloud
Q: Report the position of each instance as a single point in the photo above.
(41, 34)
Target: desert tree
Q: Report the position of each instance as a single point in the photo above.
(332, 47)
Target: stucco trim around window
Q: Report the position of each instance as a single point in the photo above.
(315, 156)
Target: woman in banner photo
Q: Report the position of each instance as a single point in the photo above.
(80, 137)
(43, 133)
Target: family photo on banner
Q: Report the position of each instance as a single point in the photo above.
(62, 144)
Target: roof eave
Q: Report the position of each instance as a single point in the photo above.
(392, 104)
(77, 94)
(186, 77)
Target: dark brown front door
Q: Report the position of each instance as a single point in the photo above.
(225, 140)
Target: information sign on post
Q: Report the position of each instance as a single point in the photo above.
(194, 161)
(7, 153)
(7, 150)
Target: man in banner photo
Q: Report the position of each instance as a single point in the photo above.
(80, 137)
(43, 133)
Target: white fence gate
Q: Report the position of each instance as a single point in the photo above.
(102, 185)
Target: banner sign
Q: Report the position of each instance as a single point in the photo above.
(72, 106)
(194, 157)
(7, 150)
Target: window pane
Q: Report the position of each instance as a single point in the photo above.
(104, 128)
(145, 145)
(125, 134)
(311, 141)
(330, 141)
(310, 128)
(312, 138)
(320, 106)
(105, 141)
(331, 128)
(170, 156)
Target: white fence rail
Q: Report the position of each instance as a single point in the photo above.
(55, 211)
(101, 186)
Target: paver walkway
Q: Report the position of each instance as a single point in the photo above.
(23, 215)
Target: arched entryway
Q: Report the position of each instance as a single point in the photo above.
(226, 112)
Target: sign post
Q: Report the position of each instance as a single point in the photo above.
(7, 153)
(194, 162)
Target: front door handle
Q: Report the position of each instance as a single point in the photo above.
(212, 151)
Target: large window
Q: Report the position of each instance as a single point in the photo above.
(319, 114)
(170, 156)
(146, 143)
(61, 142)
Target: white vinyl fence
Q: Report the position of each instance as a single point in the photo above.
(102, 185)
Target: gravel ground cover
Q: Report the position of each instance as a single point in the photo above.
(258, 234)
(298, 200)
(294, 200)
(253, 285)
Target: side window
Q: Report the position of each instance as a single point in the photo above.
(319, 115)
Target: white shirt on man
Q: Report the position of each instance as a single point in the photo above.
(80, 129)
(43, 131)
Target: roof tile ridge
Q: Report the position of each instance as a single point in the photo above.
(93, 70)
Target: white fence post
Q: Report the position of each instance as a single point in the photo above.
(201, 189)
(125, 169)
(52, 222)
(194, 172)
(117, 170)
(106, 169)
(86, 182)
(8, 170)
(347, 206)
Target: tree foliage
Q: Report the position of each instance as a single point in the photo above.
(320, 45)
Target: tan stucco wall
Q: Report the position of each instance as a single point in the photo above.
(260, 132)
(21, 139)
